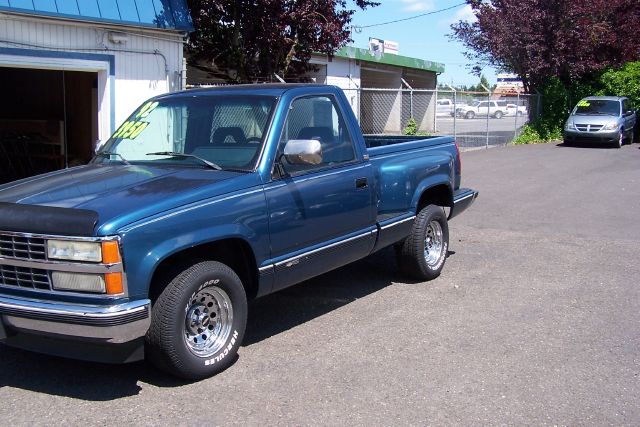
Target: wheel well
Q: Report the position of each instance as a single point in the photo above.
(439, 195)
(235, 253)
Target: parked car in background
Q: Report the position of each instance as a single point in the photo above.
(601, 119)
(495, 109)
(516, 110)
(446, 107)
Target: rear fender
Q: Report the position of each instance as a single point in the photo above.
(430, 183)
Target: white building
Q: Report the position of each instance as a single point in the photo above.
(71, 71)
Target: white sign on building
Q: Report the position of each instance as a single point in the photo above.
(377, 46)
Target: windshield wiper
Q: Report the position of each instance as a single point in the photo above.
(176, 154)
(110, 153)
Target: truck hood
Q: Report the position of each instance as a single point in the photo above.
(119, 194)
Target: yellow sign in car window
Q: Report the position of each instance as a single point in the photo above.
(130, 129)
(146, 110)
(583, 103)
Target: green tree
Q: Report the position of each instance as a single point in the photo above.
(624, 81)
(249, 40)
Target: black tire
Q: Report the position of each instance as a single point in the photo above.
(620, 142)
(498, 114)
(205, 293)
(632, 136)
(469, 115)
(411, 255)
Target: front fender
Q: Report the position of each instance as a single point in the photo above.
(146, 244)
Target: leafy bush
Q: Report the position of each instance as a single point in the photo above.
(539, 131)
(411, 129)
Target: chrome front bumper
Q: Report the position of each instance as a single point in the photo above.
(115, 324)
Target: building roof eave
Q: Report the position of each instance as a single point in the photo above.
(366, 55)
(173, 18)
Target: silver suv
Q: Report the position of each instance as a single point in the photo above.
(603, 119)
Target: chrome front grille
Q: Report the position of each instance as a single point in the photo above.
(588, 127)
(23, 277)
(19, 247)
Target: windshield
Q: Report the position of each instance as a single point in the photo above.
(226, 131)
(597, 107)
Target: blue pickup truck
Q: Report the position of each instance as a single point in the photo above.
(201, 201)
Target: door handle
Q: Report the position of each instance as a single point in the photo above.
(361, 183)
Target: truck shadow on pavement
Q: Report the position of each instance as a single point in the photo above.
(286, 309)
(268, 316)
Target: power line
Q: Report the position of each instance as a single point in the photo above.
(412, 17)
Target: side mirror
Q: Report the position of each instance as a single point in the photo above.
(629, 113)
(303, 152)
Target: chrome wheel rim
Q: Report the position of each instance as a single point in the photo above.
(433, 244)
(621, 139)
(208, 320)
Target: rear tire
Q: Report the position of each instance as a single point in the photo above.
(424, 252)
(198, 322)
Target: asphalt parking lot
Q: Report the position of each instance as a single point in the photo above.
(535, 321)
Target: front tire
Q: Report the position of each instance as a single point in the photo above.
(620, 142)
(469, 115)
(424, 252)
(198, 322)
(498, 115)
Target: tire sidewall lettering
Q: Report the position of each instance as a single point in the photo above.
(443, 257)
(224, 352)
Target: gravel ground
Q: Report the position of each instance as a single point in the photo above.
(534, 321)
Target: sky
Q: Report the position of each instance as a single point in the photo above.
(424, 37)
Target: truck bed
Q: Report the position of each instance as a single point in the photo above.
(383, 144)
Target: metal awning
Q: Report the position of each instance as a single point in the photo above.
(163, 14)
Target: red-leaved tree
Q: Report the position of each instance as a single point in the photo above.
(250, 40)
(540, 39)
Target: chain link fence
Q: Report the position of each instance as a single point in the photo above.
(475, 119)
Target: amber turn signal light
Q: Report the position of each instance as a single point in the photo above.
(113, 283)
(110, 252)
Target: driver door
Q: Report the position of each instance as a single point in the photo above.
(320, 216)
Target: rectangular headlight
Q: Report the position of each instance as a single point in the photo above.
(78, 282)
(74, 251)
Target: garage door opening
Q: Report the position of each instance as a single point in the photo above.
(48, 120)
